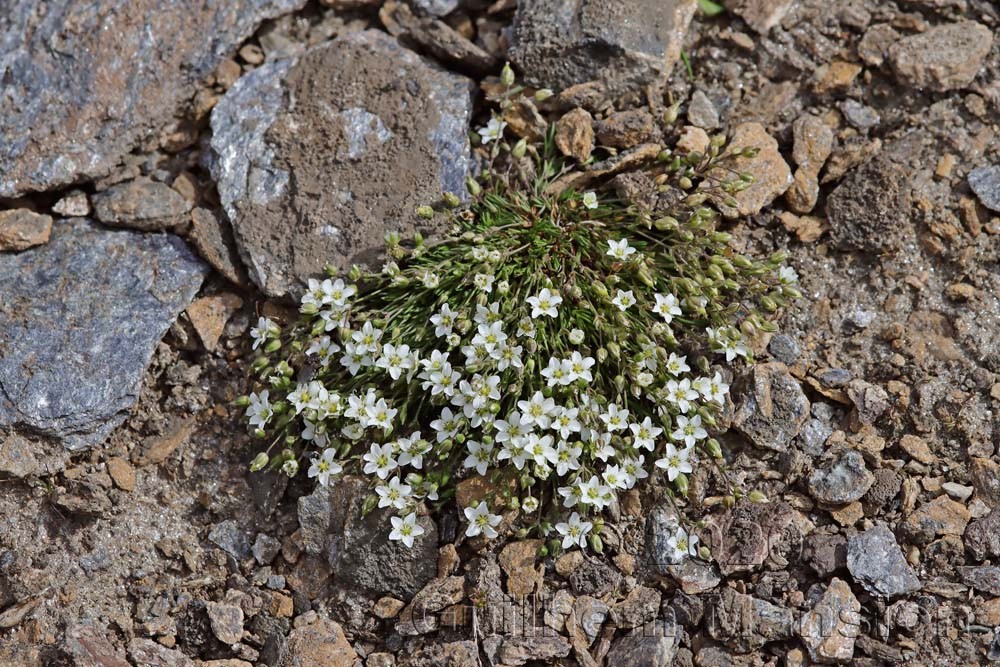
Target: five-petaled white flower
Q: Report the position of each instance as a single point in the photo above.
(394, 494)
(644, 434)
(259, 411)
(675, 461)
(620, 249)
(689, 431)
(574, 531)
(493, 130)
(481, 522)
(546, 303)
(682, 544)
(590, 200)
(404, 530)
(667, 307)
(379, 460)
(324, 466)
(624, 300)
(265, 329)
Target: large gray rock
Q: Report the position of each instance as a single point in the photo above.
(317, 157)
(946, 57)
(771, 407)
(985, 182)
(86, 81)
(358, 547)
(625, 44)
(79, 320)
(877, 563)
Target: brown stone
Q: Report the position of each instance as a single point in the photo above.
(836, 77)
(917, 449)
(830, 628)
(122, 473)
(320, 644)
(209, 315)
(568, 562)
(388, 607)
(761, 15)
(849, 514)
(986, 479)
(771, 174)
(625, 129)
(213, 238)
(988, 613)
(157, 448)
(227, 621)
(807, 228)
(21, 229)
(518, 561)
(941, 516)
(946, 57)
(574, 134)
(141, 204)
(693, 139)
(281, 605)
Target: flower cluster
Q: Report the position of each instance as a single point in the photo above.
(562, 347)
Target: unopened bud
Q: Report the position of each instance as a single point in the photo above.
(451, 200)
(259, 462)
(596, 543)
(507, 75)
(543, 94)
(520, 148)
(670, 115)
(757, 497)
(473, 186)
(425, 212)
(681, 484)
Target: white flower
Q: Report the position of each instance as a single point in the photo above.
(324, 466)
(682, 544)
(712, 389)
(667, 307)
(479, 456)
(489, 336)
(787, 276)
(634, 470)
(447, 425)
(644, 434)
(675, 461)
(394, 494)
(481, 522)
(508, 356)
(620, 249)
(483, 281)
(430, 279)
(443, 381)
(395, 359)
(513, 429)
(493, 130)
(380, 414)
(570, 494)
(689, 431)
(564, 420)
(412, 450)
(614, 477)
(265, 329)
(677, 364)
(525, 328)
(259, 410)
(590, 200)
(624, 300)
(367, 340)
(579, 367)
(567, 457)
(537, 410)
(514, 451)
(575, 336)
(615, 419)
(314, 431)
(443, 321)
(544, 303)
(681, 394)
(379, 460)
(353, 360)
(529, 504)
(729, 341)
(557, 372)
(574, 531)
(540, 449)
(488, 314)
(404, 530)
(324, 347)
(594, 492)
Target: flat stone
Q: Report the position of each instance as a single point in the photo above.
(448, 654)
(747, 535)
(88, 646)
(941, 516)
(80, 88)
(985, 182)
(321, 643)
(17, 458)
(870, 208)
(772, 176)
(761, 15)
(209, 315)
(985, 578)
(982, 537)
(148, 653)
(877, 563)
(231, 538)
(142, 204)
(813, 145)
(518, 561)
(590, 614)
(654, 645)
(122, 473)
(917, 448)
(945, 57)
(701, 112)
(574, 134)
(746, 623)
(623, 44)
(79, 320)
(227, 621)
(831, 626)
(535, 645)
(74, 205)
(212, 237)
(370, 131)
(21, 229)
(639, 607)
(986, 480)
(843, 479)
(625, 129)
(771, 407)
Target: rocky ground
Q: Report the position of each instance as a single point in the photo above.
(168, 170)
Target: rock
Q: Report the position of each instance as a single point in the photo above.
(320, 644)
(826, 553)
(575, 134)
(761, 15)
(142, 204)
(76, 101)
(693, 139)
(835, 78)
(661, 525)
(624, 45)
(985, 578)
(535, 645)
(265, 549)
(870, 401)
(157, 448)
(589, 614)
(870, 209)
(876, 562)
(941, 516)
(450, 654)
(746, 623)
(122, 473)
(418, 616)
(982, 537)
(917, 449)
(209, 315)
(76, 346)
(959, 492)
(946, 57)
(772, 177)
(370, 131)
(518, 561)
(831, 626)
(568, 562)
(88, 646)
(695, 576)
(873, 48)
(148, 653)
(625, 129)
(227, 621)
(859, 115)
(437, 38)
(16, 456)
(985, 182)
(813, 144)
(884, 489)
(21, 229)
(701, 112)
(784, 348)
(985, 475)
(843, 479)
(750, 533)
(647, 647)
(74, 205)
(594, 577)
(771, 407)
(638, 608)
(231, 538)
(213, 239)
(435, 7)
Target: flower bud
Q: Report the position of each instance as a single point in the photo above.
(681, 484)
(472, 185)
(596, 543)
(520, 148)
(259, 462)
(272, 346)
(290, 467)
(704, 553)
(260, 433)
(671, 113)
(451, 200)
(757, 497)
(713, 448)
(242, 401)
(425, 212)
(543, 94)
(507, 75)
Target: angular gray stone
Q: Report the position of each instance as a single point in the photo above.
(870, 209)
(843, 479)
(317, 157)
(985, 182)
(654, 645)
(877, 563)
(661, 525)
(85, 81)
(148, 653)
(79, 320)
(141, 204)
(984, 578)
(745, 623)
(946, 57)
(624, 44)
(231, 538)
(771, 407)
